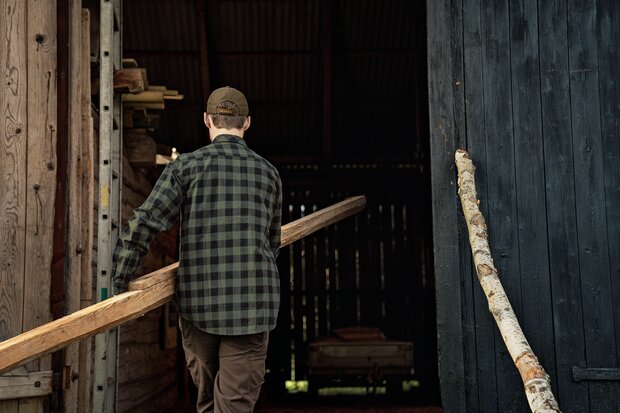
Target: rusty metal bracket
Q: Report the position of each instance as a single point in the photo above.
(580, 374)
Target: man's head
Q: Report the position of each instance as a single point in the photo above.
(227, 112)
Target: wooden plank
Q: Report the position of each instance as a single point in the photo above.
(145, 293)
(83, 323)
(73, 242)
(13, 123)
(478, 327)
(592, 233)
(9, 406)
(391, 324)
(139, 148)
(608, 14)
(371, 296)
(537, 316)
(130, 80)
(560, 194)
(305, 226)
(445, 67)
(148, 96)
(41, 172)
(34, 384)
(500, 171)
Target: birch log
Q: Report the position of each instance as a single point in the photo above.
(535, 380)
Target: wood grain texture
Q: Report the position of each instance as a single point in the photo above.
(608, 33)
(560, 198)
(73, 242)
(83, 323)
(535, 380)
(501, 191)
(537, 316)
(34, 384)
(145, 293)
(41, 172)
(446, 106)
(87, 215)
(478, 327)
(13, 124)
(591, 216)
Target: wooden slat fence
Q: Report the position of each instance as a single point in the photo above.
(373, 269)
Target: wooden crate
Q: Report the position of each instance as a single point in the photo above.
(379, 358)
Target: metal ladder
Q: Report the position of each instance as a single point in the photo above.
(110, 185)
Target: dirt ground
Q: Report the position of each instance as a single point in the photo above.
(343, 404)
(336, 409)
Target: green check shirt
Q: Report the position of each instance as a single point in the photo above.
(230, 203)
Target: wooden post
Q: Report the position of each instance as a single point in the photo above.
(74, 217)
(13, 161)
(535, 379)
(87, 215)
(146, 293)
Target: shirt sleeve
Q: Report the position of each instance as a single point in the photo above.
(158, 213)
(276, 220)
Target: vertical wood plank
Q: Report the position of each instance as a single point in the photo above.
(9, 406)
(608, 15)
(502, 208)
(393, 308)
(13, 164)
(590, 200)
(537, 316)
(371, 293)
(13, 124)
(75, 195)
(41, 172)
(446, 104)
(87, 214)
(478, 327)
(31, 405)
(560, 194)
(322, 245)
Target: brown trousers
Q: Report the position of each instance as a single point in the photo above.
(228, 370)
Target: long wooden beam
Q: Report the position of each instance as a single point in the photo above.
(145, 294)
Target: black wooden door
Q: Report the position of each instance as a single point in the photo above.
(532, 89)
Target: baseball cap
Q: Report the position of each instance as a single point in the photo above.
(230, 94)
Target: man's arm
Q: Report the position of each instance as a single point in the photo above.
(158, 213)
(276, 220)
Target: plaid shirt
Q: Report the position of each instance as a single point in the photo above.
(230, 201)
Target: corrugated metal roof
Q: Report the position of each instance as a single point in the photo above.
(273, 51)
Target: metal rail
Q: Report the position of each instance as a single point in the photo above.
(110, 58)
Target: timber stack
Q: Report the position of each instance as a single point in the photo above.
(140, 99)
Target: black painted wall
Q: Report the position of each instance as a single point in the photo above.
(532, 89)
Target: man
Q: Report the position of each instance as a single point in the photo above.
(229, 200)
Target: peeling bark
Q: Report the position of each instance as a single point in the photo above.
(536, 382)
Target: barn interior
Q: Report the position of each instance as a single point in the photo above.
(337, 93)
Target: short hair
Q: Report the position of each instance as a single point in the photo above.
(227, 121)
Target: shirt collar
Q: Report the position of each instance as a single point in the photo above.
(229, 138)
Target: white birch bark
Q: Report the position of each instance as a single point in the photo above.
(536, 382)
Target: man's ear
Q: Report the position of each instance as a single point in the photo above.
(247, 123)
(208, 121)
